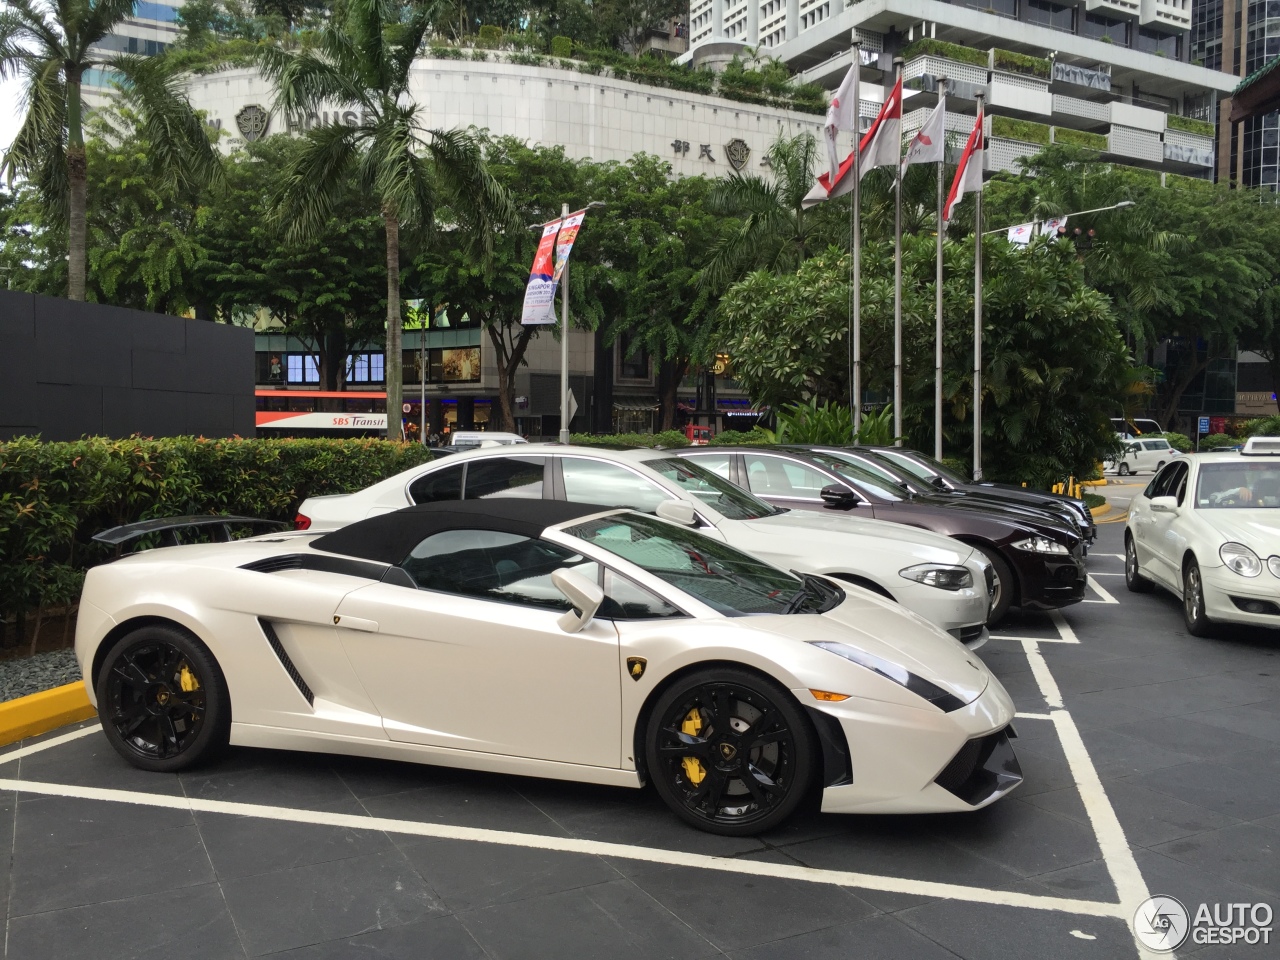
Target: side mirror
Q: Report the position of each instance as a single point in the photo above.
(677, 511)
(585, 596)
(1164, 505)
(835, 495)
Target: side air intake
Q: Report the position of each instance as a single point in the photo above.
(270, 633)
(275, 564)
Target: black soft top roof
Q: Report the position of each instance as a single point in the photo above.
(390, 537)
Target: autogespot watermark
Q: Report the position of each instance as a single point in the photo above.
(1163, 923)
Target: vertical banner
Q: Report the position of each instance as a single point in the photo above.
(564, 242)
(540, 292)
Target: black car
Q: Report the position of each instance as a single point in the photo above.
(1038, 562)
(939, 475)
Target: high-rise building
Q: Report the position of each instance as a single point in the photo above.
(152, 27)
(1115, 75)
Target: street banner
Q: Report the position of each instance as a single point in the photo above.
(880, 147)
(842, 114)
(564, 241)
(540, 292)
(929, 144)
(968, 177)
(1021, 234)
(1050, 227)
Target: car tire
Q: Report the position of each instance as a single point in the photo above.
(1123, 469)
(764, 752)
(1133, 578)
(163, 700)
(1159, 467)
(1003, 594)
(1193, 615)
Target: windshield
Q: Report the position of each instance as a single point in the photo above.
(1238, 484)
(723, 578)
(921, 463)
(730, 500)
(868, 481)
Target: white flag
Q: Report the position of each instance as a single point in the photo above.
(881, 146)
(1050, 227)
(842, 114)
(1021, 234)
(929, 145)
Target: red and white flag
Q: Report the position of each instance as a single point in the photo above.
(968, 177)
(929, 145)
(842, 114)
(881, 146)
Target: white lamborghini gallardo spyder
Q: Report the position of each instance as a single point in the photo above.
(548, 639)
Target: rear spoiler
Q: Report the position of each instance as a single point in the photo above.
(170, 527)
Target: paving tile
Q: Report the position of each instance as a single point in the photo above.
(1193, 886)
(609, 921)
(438, 938)
(980, 932)
(92, 762)
(495, 807)
(1216, 787)
(1185, 735)
(327, 901)
(1083, 881)
(1249, 720)
(370, 777)
(272, 777)
(1026, 839)
(1044, 767)
(878, 936)
(42, 820)
(56, 874)
(653, 826)
(1242, 852)
(244, 846)
(1118, 755)
(1104, 709)
(1225, 689)
(466, 875)
(191, 924)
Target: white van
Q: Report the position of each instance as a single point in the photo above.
(474, 439)
(1144, 455)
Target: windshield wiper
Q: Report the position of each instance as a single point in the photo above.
(827, 594)
(797, 601)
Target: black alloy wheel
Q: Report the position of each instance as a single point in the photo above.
(1133, 578)
(162, 700)
(730, 751)
(1002, 589)
(1193, 615)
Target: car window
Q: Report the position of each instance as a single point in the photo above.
(917, 470)
(1178, 482)
(624, 599)
(505, 477)
(1160, 486)
(867, 477)
(437, 485)
(728, 498)
(717, 463)
(1237, 483)
(597, 481)
(493, 565)
(779, 477)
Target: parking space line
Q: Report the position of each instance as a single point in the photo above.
(598, 848)
(1104, 573)
(1064, 629)
(1098, 589)
(1032, 716)
(1037, 639)
(46, 744)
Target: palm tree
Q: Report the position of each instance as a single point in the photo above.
(363, 59)
(46, 44)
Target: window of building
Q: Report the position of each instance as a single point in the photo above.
(1003, 8)
(1100, 27)
(634, 362)
(1056, 16)
(1162, 44)
(302, 368)
(366, 368)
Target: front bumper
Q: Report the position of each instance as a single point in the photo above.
(1047, 581)
(910, 760)
(952, 610)
(1228, 596)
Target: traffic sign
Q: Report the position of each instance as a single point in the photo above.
(1204, 425)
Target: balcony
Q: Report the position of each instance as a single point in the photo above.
(1175, 14)
(1135, 143)
(1120, 8)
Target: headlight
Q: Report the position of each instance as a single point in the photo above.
(1040, 545)
(940, 575)
(946, 702)
(1273, 564)
(1240, 559)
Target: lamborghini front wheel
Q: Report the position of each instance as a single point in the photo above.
(162, 699)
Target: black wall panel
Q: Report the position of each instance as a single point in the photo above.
(69, 369)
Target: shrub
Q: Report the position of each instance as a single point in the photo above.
(525, 59)
(442, 52)
(561, 47)
(1080, 138)
(1011, 62)
(55, 496)
(929, 47)
(1217, 441)
(755, 437)
(1024, 130)
(666, 438)
(1263, 426)
(1179, 441)
(490, 36)
(479, 55)
(1189, 125)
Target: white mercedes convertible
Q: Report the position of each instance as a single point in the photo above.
(549, 639)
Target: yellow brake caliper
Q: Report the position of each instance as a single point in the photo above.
(692, 765)
(187, 680)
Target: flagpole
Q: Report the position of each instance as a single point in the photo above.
(937, 347)
(897, 281)
(977, 318)
(855, 230)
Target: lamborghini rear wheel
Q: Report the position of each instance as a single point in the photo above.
(162, 699)
(730, 751)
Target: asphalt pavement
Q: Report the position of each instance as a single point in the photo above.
(1152, 764)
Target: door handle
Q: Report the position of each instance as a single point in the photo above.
(355, 623)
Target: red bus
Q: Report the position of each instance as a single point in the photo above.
(321, 412)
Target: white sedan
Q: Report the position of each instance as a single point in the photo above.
(945, 581)
(1207, 528)
(545, 639)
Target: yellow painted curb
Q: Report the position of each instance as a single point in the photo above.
(1099, 511)
(44, 711)
(1094, 483)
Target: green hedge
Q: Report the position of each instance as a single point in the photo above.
(1179, 441)
(1079, 138)
(1190, 125)
(1022, 63)
(1216, 441)
(1022, 130)
(55, 496)
(666, 438)
(929, 47)
(561, 47)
